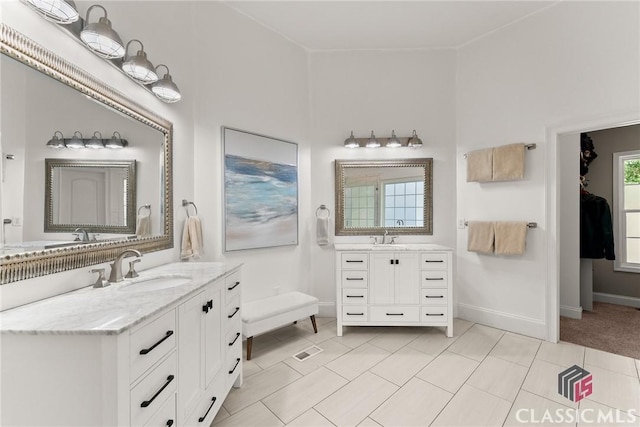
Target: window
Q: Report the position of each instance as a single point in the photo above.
(360, 205)
(403, 204)
(626, 206)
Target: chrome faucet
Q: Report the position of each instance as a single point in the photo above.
(116, 267)
(85, 235)
(384, 237)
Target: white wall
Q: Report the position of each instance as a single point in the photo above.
(571, 62)
(380, 91)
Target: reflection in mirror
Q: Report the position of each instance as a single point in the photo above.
(372, 196)
(44, 95)
(96, 196)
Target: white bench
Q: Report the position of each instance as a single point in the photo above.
(273, 312)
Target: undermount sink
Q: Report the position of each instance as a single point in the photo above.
(148, 284)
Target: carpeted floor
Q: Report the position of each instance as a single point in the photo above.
(609, 327)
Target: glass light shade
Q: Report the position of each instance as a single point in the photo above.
(101, 38)
(95, 142)
(351, 142)
(414, 141)
(76, 141)
(58, 11)
(115, 141)
(393, 142)
(165, 88)
(372, 142)
(56, 142)
(139, 67)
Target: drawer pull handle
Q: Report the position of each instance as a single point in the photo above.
(355, 296)
(434, 278)
(234, 313)
(235, 366)
(235, 339)
(355, 314)
(434, 296)
(435, 314)
(355, 278)
(233, 287)
(169, 423)
(355, 260)
(148, 402)
(202, 418)
(395, 314)
(433, 260)
(208, 306)
(147, 350)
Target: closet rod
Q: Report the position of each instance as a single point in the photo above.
(529, 224)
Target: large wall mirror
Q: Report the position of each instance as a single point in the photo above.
(43, 95)
(377, 195)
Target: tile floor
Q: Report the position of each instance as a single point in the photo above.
(374, 376)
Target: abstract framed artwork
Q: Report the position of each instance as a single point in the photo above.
(260, 191)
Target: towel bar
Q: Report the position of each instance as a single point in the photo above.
(529, 224)
(527, 146)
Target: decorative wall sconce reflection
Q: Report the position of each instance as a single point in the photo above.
(390, 142)
(78, 142)
(105, 42)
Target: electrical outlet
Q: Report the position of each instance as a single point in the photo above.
(16, 222)
(461, 223)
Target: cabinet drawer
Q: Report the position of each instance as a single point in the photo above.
(434, 296)
(354, 313)
(354, 296)
(433, 260)
(355, 261)
(355, 279)
(233, 344)
(434, 314)
(151, 342)
(434, 279)
(395, 313)
(209, 405)
(232, 315)
(232, 286)
(153, 390)
(166, 415)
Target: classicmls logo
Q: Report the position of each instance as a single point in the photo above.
(575, 383)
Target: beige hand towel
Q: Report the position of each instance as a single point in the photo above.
(480, 237)
(508, 162)
(143, 225)
(191, 238)
(511, 237)
(480, 165)
(322, 231)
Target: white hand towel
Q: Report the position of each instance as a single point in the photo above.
(511, 237)
(143, 226)
(191, 238)
(480, 237)
(480, 165)
(322, 231)
(508, 162)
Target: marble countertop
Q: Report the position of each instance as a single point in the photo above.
(395, 247)
(116, 308)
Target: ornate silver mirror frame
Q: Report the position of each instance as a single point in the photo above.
(28, 265)
(347, 167)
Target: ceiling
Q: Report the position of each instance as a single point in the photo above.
(391, 24)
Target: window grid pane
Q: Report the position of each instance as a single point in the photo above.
(404, 204)
(359, 206)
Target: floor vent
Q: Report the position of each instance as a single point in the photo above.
(307, 353)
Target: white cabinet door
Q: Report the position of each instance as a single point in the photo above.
(213, 335)
(381, 279)
(407, 278)
(190, 354)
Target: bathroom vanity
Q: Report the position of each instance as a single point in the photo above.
(394, 285)
(162, 349)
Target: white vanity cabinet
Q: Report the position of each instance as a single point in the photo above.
(94, 363)
(394, 285)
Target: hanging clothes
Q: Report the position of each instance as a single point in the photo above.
(596, 228)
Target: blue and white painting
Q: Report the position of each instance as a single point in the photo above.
(261, 193)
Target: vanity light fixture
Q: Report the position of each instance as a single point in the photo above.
(56, 142)
(95, 142)
(351, 142)
(372, 142)
(59, 11)
(414, 141)
(116, 141)
(101, 38)
(393, 142)
(138, 67)
(76, 142)
(165, 88)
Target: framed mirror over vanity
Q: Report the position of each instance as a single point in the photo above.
(37, 238)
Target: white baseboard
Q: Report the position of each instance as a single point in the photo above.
(507, 321)
(571, 312)
(326, 309)
(617, 299)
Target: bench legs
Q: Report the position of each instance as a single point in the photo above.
(250, 339)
